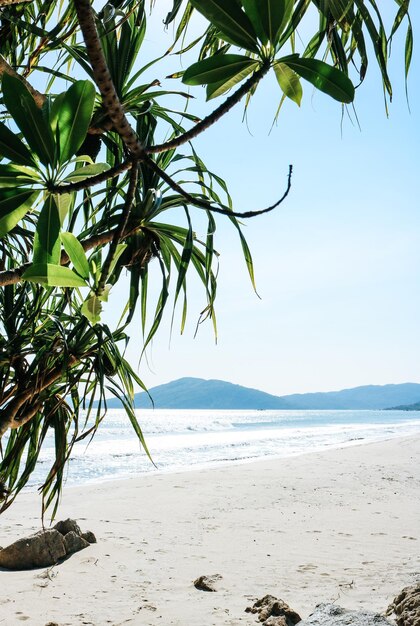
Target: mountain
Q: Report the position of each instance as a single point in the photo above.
(197, 393)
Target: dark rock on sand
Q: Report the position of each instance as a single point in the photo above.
(73, 543)
(89, 536)
(332, 615)
(68, 525)
(46, 547)
(207, 583)
(406, 606)
(74, 539)
(274, 612)
(40, 550)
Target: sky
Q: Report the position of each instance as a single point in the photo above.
(337, 264)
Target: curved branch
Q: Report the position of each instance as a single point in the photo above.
(214, 117)
(103, 78)
(12, 277)
(222, 209)
(93, 180)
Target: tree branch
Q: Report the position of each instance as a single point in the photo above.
(103, 78)
(12, 277)
(214, 117)
(5, 68)
(9, 415)
(222, 209)
(93, 180)
(7, 3)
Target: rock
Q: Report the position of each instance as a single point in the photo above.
(274, 612)
(68, 525)
(276, 621)
(74, 543)
(89, 536)
(406, 606)
(207, 583)
(333, 615)
(40, 550)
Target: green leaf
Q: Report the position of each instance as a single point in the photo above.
(215, 69)
(408, 49)
(234, 26)
(118, 252)
(378, 41)
(76, 254)
(331, 81)
(288, 81)
(217, 89)
(270, 16)
(53, 276)
(47, 245)
(253, 12)
(13, 148)
(340, 10)
(92, 308)
(29, 118)
(14, 204)
(63, 202)
(17, 176)
(86, 172)
(55, 111)
(74, 117)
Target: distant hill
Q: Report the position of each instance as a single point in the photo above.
(366, 397)
(197, 393)
(405, 407)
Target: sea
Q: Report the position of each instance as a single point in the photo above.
(184, 440)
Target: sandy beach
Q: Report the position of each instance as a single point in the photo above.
(341, 526)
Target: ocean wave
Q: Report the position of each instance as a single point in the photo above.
(181, 440)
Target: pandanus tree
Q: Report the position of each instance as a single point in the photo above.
(100, 179)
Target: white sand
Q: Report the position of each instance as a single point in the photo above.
(342, 525)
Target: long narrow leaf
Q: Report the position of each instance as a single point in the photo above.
(74, 117)
(29, 118)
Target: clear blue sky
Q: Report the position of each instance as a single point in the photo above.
(337, 265)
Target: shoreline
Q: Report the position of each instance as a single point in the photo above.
(224, 464)
(338, 525)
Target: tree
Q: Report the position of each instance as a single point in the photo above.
(92, 159)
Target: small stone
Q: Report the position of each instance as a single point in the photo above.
(74, 543)
(68, 525)
(89, 536)
(207, 583)
(274, 612)
(40, 550)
